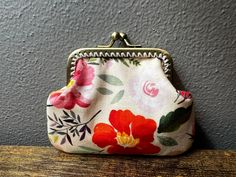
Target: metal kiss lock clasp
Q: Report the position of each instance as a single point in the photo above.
(119, 36)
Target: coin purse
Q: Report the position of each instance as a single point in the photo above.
(120, 101)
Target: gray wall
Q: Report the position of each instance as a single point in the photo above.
(36, 38)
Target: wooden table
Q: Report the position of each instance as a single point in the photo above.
(47, 161)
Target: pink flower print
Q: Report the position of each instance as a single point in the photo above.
(78, 91)
(150, 88)
(148, 93)
(84, 74)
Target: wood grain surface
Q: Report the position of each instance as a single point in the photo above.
(47, 161)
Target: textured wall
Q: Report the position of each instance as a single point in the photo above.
(36, 38)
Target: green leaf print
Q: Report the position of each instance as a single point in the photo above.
(118, 96)
(104, 91)
(113, 80)
(172, 121)
(167, 141)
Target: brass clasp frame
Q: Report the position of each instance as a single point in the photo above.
(109, 50)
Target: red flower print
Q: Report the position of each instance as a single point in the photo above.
(75, 92)
(127, 134)
(185, 94)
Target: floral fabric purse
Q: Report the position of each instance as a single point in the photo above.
(120, 101)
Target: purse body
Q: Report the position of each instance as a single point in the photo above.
(120, 103)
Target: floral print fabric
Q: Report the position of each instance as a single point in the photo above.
(75, 91)
(127, 134)
(120, 106)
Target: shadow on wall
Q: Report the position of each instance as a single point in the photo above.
(201, 139)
